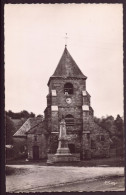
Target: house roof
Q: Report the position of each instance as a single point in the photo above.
(38, 129)
(67, 67)
(31, 125)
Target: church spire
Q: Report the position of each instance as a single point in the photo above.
(67, 67)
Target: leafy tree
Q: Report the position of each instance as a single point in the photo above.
(32, 115)
(40, 115)
(10, 129)
(115, 129)
(107, 123)
(119, 126)
(23, 114)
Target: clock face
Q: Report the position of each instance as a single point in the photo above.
(68, 100)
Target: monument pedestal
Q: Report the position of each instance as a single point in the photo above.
(63, 153)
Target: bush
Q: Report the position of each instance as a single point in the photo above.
(9, 170)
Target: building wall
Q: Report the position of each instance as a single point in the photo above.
(75, 109)
(41, 142)
(58, 85)
(84, 133)
(19, 146)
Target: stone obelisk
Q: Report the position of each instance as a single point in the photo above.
(63, 153)
(63, 141)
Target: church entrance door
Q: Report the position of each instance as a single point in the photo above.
(35, 152)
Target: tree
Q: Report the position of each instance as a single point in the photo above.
(10, 129)
(23, 114)
(119, 126)
(116, 132)
(32, 115)
(107, 123)
(40, 116)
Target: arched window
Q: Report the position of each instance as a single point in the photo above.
(68, 88)
(69, 119)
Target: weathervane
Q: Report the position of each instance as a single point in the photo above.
(66, 37)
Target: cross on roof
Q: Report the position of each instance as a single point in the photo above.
(66, 37)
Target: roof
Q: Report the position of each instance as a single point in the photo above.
(38, 129)
(67, 67)
(32, 124)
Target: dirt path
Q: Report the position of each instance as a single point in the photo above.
(32, 178)
(104, 184)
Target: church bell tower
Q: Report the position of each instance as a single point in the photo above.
(68, 98)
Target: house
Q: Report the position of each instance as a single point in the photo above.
(32, 138)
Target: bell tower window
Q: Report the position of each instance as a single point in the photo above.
(69, 119)
(68, 88)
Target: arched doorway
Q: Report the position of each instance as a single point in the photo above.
(35, 153)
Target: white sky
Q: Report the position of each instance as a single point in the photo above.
(34, 43)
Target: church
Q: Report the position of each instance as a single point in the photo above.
(68, 98)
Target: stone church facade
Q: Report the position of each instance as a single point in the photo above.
(68, 98)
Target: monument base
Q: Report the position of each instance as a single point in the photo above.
(63, 158)
(63, 151)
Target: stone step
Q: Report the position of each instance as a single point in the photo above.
(62, 158)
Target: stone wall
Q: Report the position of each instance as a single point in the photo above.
(19, 146)
(37, 140)
(84, 132)
(75, 108)
(58, 85)
(53, 142)
(100, 142)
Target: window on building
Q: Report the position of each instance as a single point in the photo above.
(68, 88)
(69, 119)
(35, 137)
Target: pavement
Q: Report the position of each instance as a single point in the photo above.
(36, 178)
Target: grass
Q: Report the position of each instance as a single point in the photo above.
(111, 162)
(12, 170)
(9, 170)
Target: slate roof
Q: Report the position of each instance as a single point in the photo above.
(32, 125)
(67, 67)
(38, 129)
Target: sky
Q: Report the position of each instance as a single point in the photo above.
(35, 40)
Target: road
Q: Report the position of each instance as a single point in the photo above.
(36, 178)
